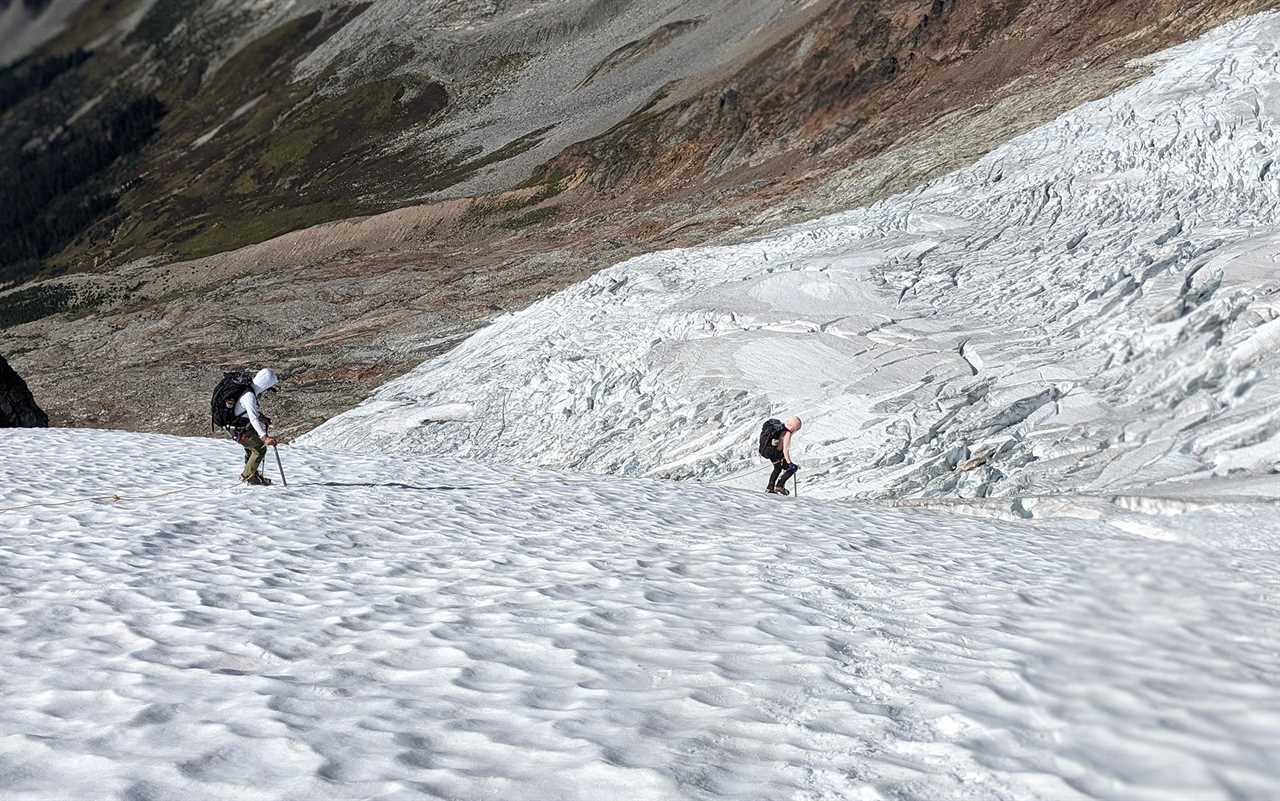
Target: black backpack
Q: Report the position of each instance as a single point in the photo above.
(769, 432)
(225, 397)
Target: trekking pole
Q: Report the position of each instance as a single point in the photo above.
(795, 485)
(277, 453)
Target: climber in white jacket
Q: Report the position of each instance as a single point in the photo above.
(253, 436)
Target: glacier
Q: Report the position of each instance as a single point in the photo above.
(1092, 307)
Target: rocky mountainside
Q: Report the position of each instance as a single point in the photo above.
(346, 189)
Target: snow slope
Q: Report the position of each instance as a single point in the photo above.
(1091, 307)
(410, 629)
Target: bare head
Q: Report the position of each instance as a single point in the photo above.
(792, 424)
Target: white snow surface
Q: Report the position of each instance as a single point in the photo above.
(1092, 307)
(392, 628)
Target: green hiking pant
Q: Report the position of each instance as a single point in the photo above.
(254, 451)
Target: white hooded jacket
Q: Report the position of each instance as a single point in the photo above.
(247, 406)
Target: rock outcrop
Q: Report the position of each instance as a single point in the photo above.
(18, 408)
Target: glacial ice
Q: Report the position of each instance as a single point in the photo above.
(1091, 307)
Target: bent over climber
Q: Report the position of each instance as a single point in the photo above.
(775, 445)
(235, 408)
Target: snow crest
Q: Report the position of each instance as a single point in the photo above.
(1092, 306)
(401, 629)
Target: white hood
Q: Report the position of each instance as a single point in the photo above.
(264, 380)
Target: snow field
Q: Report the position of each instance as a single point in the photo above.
(408, 629)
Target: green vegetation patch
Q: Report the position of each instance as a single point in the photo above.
(533, 217)
(549, 183)
(206, 238)
(504, 66)
(37, 302)
(33, 303)
(324, 129)
(28, 76)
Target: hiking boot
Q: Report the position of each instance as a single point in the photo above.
(769, 490)
(258, 480)
(781, 491)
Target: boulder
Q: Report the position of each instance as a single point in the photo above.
(18, 408)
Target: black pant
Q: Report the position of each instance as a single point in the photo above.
(780, 467)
